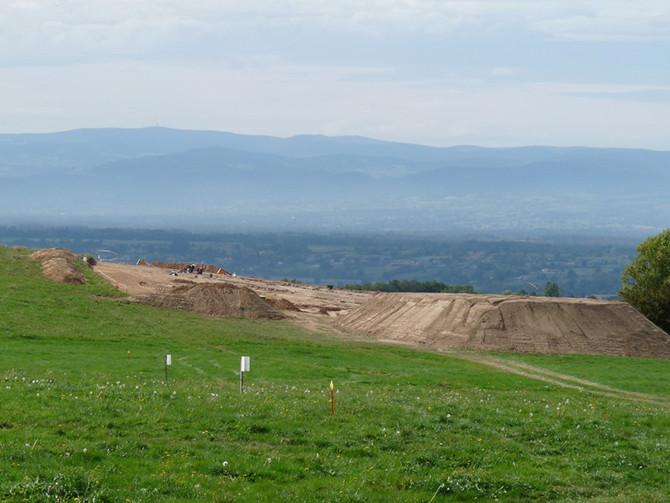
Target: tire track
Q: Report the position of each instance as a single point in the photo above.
(558, 379)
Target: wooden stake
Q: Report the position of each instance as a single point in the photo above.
(332, 399)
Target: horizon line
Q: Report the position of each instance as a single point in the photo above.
(329, 136)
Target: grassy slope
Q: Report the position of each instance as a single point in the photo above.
(631, 374)
(81, 416)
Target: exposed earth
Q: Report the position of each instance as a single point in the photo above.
(440, 321)
(60, 265)
(215, 299)
(311, 306)
(510, 323)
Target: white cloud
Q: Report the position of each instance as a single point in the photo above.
(214, 64)
(74, 29)
(611, 20)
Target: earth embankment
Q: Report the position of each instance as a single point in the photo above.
(59, 264)
(509, 323)
(215, 299)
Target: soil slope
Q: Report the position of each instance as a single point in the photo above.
(479, 322)
(215, 299)
(297, 299)
(58, 264)
(508, 323)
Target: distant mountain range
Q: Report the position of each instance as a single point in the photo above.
(157, 173)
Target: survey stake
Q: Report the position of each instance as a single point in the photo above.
(245, 366)
(168, 363)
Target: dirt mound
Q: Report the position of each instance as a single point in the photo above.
(215, 299)
(501, 323)
(178, 266)
(281, 303)
(329, 309)
(59, 264)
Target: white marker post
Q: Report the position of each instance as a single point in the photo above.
(245, 366)
(168, 363)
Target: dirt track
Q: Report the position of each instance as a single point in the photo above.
(558, 379)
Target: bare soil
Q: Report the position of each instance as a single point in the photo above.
(58, 264)
(178, 266)
(215, 299)
(281, 303)
(439, 321)
(510, 323)
(302, 304)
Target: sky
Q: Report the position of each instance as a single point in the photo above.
(479, 72)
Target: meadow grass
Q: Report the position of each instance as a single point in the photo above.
(85, 414)
(643, 375)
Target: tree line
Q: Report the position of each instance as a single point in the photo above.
(411, 285)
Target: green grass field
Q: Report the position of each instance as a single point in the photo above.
(85, 414)
(630, 374)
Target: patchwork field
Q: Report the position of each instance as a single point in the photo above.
(86, 414)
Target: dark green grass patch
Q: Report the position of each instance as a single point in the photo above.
(85, 414)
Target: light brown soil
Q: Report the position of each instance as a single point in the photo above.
(178, 266)
(509, 323)
(58, 264)
(281, 303)
(142, 280)
(215, 299)
(440, 321)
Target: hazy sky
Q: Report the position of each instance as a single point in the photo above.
(489, 72)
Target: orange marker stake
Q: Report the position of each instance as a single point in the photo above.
(332, 399)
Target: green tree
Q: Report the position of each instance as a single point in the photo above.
(646, 281)
(411, 285)
(551, 289)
